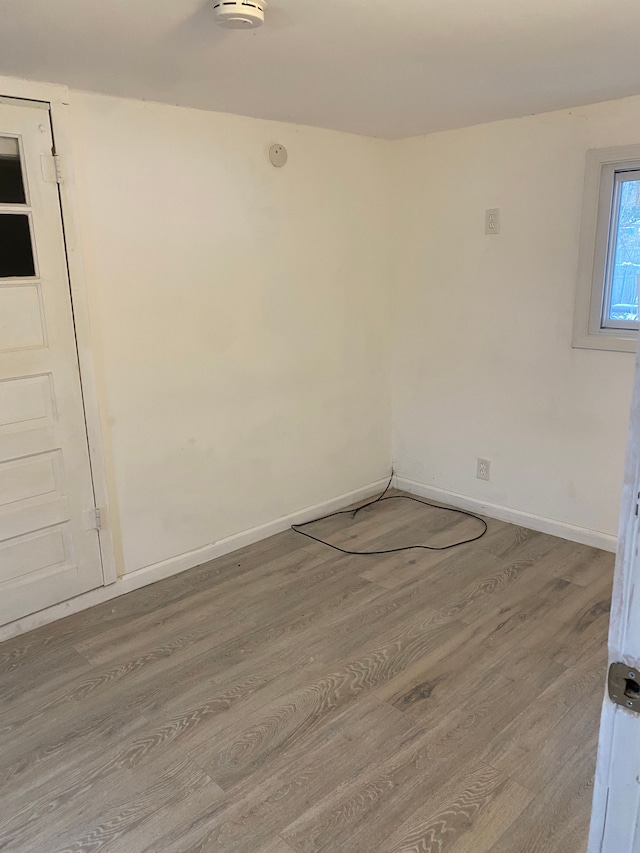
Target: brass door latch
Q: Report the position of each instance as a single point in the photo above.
(624, 686)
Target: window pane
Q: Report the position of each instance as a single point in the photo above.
(16, 253)
(11, 183)
(626, 263)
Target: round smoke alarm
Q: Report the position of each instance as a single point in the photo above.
(240, 14)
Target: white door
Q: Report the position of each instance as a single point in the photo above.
(46, 553)
(615, 823)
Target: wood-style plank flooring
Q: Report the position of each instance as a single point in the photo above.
(289, 699)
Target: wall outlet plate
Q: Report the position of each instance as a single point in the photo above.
(483, 471)
(492, 221)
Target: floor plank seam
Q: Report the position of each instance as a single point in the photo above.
(84, 656)
(373, 583)
(286, 848)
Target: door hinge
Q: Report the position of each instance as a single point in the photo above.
(93, 519)
(624, 686)
(51, 168)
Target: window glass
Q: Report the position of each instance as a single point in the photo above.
(623, 299)
(11, 182)
(16, 251)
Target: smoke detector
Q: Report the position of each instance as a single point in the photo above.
(240, 14)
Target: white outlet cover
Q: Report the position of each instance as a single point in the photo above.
(484, 469)
(492, 221)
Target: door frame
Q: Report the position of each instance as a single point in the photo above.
(59, 101)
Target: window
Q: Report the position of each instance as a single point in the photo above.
(609, 270)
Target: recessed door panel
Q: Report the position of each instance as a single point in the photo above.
(21, 317)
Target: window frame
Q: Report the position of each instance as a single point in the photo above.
(601, 190)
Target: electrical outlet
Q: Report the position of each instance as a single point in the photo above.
(492, 221)
(484, 469)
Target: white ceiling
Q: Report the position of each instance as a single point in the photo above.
(388, 68)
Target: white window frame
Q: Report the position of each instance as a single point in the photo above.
(597, 240)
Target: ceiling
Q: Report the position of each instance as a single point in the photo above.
(387, 68)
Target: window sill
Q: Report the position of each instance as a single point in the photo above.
(606, 341)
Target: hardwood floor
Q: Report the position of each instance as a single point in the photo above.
(288, 699)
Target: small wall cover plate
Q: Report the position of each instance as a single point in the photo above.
(278, 155)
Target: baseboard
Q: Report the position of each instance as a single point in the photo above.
(583, 535)
(173, 566)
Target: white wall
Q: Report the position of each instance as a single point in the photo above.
(238, 318)
(483, 363)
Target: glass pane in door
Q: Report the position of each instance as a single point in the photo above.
(11, 181)
(16, 251)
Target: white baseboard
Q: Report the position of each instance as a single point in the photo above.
(583, 535)
(175, 565)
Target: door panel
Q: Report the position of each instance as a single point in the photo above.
(21, 320)
(30, 479)
(46, 554)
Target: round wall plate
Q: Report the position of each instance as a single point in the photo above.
(278, 155)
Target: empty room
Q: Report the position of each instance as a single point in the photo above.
(319, 426)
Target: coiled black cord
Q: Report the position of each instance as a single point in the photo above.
(384, 497)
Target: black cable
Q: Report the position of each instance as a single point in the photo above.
(379, 499)
(370, 503)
